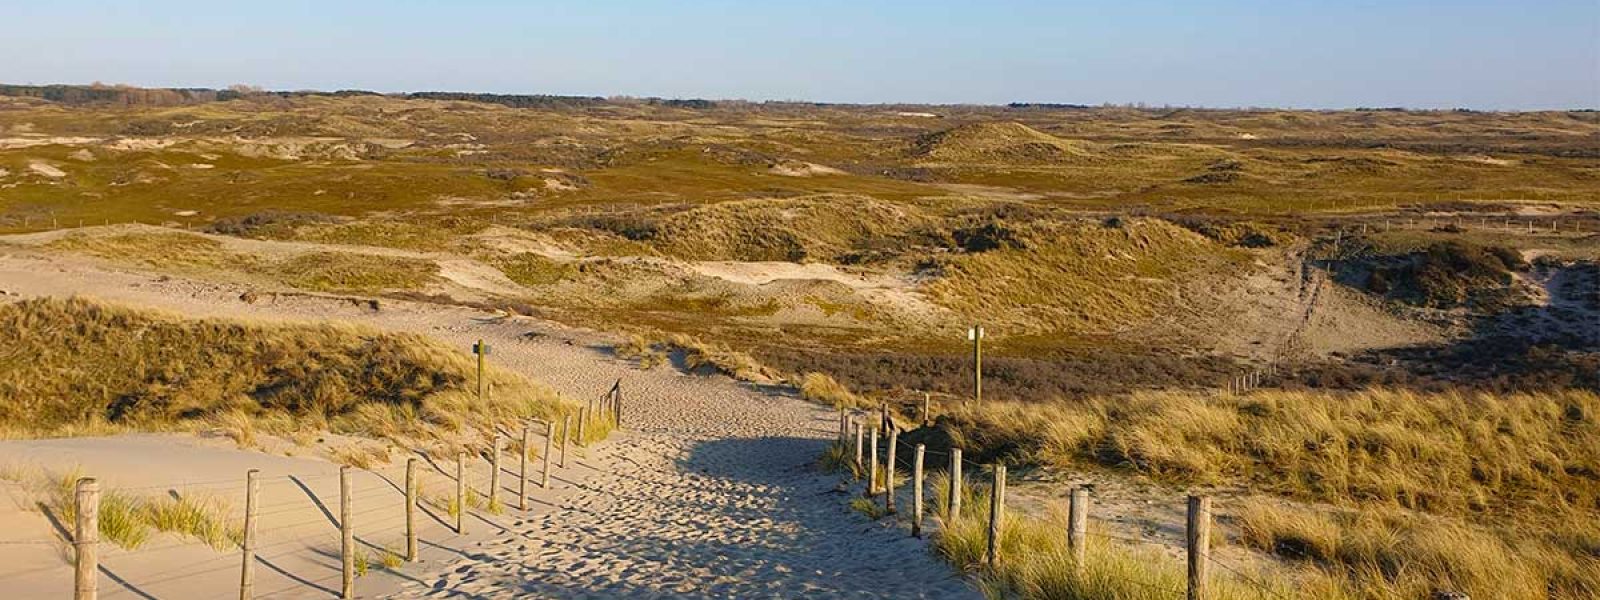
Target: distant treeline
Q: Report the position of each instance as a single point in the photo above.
(135, 96)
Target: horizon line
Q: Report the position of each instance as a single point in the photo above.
(1015, 104)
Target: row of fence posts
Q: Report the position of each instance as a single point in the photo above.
(1507, 224)
(853, 433)
(86, 532)
(1251, 380)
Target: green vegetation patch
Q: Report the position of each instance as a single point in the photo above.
(527, 268)
(357, 273)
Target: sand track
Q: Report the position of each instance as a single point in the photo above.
(709, 494)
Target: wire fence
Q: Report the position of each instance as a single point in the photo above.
(319, 522)
(1195, 545)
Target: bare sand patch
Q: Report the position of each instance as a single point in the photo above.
(46, 169)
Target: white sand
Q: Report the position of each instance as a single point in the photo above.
(710, 493)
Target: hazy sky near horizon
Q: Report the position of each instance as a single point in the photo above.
(1286, 53)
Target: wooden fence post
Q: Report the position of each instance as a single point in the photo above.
(916, 491)
(997, 514)
(888, 472)
(549, 432)
(953, 501)
(618, 393)
(461, 493)
(522, 485)
(927, 409)
(841, 426)
(86, 540)
(583, 419)
(872, 464)
(1199, 547)
(1078, 526)
(347, 536)
(860, 446)
(247, 567)
(566, 432)
(411, 509)
(494, 473)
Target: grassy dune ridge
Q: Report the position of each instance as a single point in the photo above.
(1401, 493)
(81, 366)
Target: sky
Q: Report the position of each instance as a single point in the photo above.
(1492, 55)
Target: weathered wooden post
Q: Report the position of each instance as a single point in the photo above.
(927, 409)
(86, 540)
(888, 472)
(549, 433)
(916, 490)
(1198, 540)
(860, 446)
(461, 492)
(247, 546)
(997, 514)
(1078, 526)
(953, 501)
(347, 537)
(583, 419)
(494, 473)
(566, 432)
(617, 392)
(872, 464)
(411, 509)
(975, 335)
(522, 471)
(843, 424)
(482, 350)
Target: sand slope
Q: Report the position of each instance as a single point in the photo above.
(710, 493)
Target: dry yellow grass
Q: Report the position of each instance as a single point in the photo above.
(77, 366)
(1037, 565)
(1446, 453)
(1493, 495)
(1397, 554)
(819, 387)
(1077, 276)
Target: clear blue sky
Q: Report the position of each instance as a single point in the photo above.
(1292, 53)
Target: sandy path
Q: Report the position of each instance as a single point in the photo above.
(710, 494)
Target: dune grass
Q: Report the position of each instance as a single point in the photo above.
(355, 273)
(1076, 276)
(821, 388)
(130, 519)
(79, 366)
(1491, 495)
(1399, 554)
(1037, 564)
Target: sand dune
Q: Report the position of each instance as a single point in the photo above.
(708, 494)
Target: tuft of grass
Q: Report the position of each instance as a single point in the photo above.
(819, 387)
(204, 519)
(838, 458)
(868, 507)
(130, 520)
(361, 456)
(391, 559)
(719, 358)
